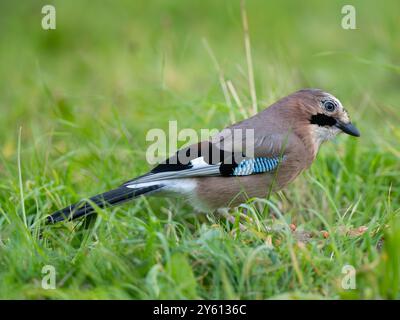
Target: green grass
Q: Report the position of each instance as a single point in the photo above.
(77, 103)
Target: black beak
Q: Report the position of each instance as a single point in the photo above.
(348, 128)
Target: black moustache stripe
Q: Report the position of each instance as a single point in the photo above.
(322, 120)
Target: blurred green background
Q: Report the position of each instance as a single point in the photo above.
(86, 93)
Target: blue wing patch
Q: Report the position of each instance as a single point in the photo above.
(257, 165)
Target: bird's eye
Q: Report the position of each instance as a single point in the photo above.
(329, 105)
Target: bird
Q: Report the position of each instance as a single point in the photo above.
(274, 146)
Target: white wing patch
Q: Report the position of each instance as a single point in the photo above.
(199, 168)
(171, 185)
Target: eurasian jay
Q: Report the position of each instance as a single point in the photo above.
(273, 148)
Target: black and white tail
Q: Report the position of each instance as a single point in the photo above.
(107, 199)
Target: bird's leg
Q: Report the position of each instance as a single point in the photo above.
(232, 218)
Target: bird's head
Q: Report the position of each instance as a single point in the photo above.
(322, 114)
